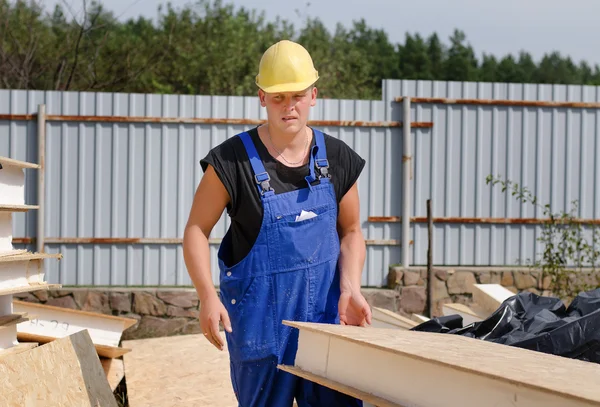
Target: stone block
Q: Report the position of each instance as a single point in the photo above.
(412, 278)
(63, 302)
(120, 302)
(413, 299)
(147, 304)
(93, 301)
(507, 279)
(381, 298)
(183, 299)
(441, 274)
(461, 282)
(174, 311)
(524, 280)
(439, 290)
(41, 295)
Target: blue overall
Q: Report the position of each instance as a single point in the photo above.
(290, 273)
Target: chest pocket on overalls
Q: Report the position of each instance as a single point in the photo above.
(303, 237)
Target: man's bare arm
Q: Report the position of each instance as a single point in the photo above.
(210, 200)
(351, 261)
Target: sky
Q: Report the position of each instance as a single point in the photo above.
(493, 27)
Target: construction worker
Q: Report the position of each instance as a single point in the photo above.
(294, 249)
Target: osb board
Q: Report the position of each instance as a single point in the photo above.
(184, 370)
(351, 391)
(22, 347)
(31, 256)
(5, 161)
(101, 350)
(539, 371)
(65, 372)
(114, 371)
(17, 208)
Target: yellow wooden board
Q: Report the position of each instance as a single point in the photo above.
(18, 208)
(65, 372)
(30, 256)
(5, 161)
(177, 371)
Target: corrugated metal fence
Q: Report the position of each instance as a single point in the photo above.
(121, 170)
(544, 137)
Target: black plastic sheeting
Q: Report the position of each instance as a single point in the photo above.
(530, 321)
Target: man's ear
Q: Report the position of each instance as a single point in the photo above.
(313, 95)
(262, 97)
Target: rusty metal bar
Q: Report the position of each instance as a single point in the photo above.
(156, 241)
(503, 102)
(16, 117)
(505, 221)
(197, 120)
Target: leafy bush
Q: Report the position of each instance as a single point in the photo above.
(566, 251)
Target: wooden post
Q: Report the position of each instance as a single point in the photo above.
(429, 260)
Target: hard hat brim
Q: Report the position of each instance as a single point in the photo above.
(287, 87)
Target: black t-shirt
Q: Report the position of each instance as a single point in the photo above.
(232, 166)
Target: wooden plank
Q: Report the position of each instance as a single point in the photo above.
(419, 318)
(383, 318)
(65, 372)
(400, 367)
(11, 162)
(490, 296)
(17, 208)
(469, 314)
(114, 371)
(177, 371)
(28, 256)
(361, 395)
(13, 319)
(29, 288)
(12, 252)
(57, 322)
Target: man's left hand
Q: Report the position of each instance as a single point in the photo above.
(354, 309)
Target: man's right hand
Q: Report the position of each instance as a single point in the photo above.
(212, 312)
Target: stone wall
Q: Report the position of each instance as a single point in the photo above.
(456, 285)
(172, 311)
(159, 312)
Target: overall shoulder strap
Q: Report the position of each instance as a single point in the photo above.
(318, 160)
(261, 177)
(321, 161)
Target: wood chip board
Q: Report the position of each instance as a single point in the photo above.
(403, 367)
(184, 370)
(65, 372)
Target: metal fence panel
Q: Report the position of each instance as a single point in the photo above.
(130, 180)
(108, 180)
(550, 150)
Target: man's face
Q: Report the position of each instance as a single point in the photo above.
(289, 111)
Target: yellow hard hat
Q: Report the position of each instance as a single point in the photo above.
(286, 67)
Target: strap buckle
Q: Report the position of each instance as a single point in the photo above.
(322, 165)
(263, 179)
